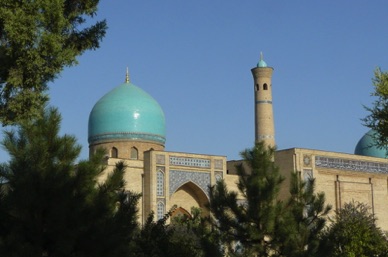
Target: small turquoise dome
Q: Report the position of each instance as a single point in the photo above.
(126, 113)
(261, 64)
(367, 146)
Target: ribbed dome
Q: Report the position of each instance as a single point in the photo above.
(126, 113)
(367, 146)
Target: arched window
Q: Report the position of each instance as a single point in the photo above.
(160, 210)
(114, 153)
(159, 183)
(257, 87)
(265, 86)
(134, 153)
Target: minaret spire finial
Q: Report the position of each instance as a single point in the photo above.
(261, 56)
(127, 76)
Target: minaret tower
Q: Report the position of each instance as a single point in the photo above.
(264, 122)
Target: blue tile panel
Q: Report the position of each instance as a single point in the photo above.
(178, 178)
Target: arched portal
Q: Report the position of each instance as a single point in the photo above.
(189, 195)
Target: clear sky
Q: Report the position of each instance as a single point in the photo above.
(194, 58)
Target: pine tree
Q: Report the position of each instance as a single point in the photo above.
(250, 223)
(255, 222)
(302, 221)
(51, 206)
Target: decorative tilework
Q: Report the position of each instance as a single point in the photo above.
(159, 183)
(160, 209)
(191, 162)
(307, 174)
(346, 164)
(218, 164)
(160, 159)
(264, 102)
(180, 177)
(218, 175)
(127, 135)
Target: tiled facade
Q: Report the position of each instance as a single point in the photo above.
(168, 179)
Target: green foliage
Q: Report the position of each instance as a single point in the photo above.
(302, 221)
(51, 206)
(250, 223)
(354, 234)
(378, 113)
(158, 239)
(197, 232)
(37, 40)
(262, 224)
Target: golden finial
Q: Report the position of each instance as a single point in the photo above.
(127, 76)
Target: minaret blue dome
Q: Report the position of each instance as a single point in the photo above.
(367, 146)
(261, 63)
(126, 113)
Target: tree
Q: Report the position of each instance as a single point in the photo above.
(354, 233)
(159, 239)
(51, 206)
(198, 233)
(37, 40)
(303, 220)
(378, 113)
(262, 224)
(251, 222)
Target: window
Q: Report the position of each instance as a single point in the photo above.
(257, 87)
(160, 210)
(265, 86)
(134, 153)
(159, 183)
(114, 152)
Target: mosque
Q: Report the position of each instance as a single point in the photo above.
(130, 125)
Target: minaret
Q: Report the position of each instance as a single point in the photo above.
(264, 122)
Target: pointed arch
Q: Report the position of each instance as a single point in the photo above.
(189, 195)
(180, 213)
(134, 153)
(114, 153)
(160, 210)
(160, 183)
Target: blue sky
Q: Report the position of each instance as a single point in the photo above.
(194, 58)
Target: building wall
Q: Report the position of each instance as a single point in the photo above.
(185, 183)
(342, 177)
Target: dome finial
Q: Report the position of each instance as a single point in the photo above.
(127, 76)
(261, 63)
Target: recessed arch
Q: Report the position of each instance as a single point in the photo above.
(265, 86)
(134, 155)
(161, 210)
(114, 153)
(190, 195)
(160, 183)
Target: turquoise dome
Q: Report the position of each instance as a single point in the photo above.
(126, 113)
(367, 146)
(261, 64)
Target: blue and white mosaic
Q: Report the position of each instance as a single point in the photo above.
(190, 162)
(345, 164)
(179, 177)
